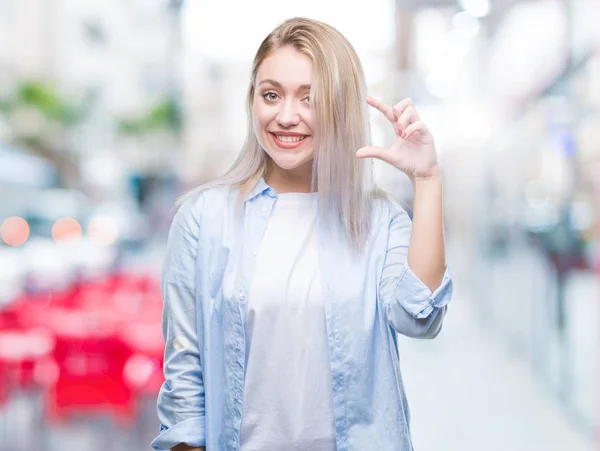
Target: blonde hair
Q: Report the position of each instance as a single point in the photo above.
(338, 90)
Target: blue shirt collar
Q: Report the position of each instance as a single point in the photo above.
(260, 188)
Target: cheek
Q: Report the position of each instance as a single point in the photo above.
(308, 119)
(262, 115)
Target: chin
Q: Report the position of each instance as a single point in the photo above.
(290, 162)
(290, 159)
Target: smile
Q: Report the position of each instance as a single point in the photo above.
(288, 142)
(290, 139)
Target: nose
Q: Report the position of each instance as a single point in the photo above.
(288, 114)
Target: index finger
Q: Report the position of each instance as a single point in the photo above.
(387, 110)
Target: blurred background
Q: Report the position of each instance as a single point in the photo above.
(110, 109)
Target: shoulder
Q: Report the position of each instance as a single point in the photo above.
(391, 218)
(200, 199)
(386, 208)
(204, 202)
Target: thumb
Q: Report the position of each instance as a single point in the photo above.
(373, 152)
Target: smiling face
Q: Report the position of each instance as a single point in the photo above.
(283, 115)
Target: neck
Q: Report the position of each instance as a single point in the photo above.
(297, 180)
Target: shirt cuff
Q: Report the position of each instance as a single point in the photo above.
(416, 297)
(191, 432)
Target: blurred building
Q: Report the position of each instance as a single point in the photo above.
(119, 58)
(214, 95)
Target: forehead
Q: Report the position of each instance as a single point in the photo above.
(287, 66)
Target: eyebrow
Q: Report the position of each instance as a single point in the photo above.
(278, 85)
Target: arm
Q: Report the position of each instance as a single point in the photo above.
(414, 302)
(416, 285)
(181, 403)
(426, 252)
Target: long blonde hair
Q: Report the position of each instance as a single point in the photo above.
(338, 90)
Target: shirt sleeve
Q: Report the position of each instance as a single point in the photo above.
(181, 402)
(410, 307)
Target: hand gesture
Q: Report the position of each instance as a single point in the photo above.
(413, 149)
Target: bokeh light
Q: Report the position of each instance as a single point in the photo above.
(14, 231)
(66, 229)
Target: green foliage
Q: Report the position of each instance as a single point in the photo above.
(43, 97)
(162, 116)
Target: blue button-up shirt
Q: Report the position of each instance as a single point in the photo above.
(209, 263)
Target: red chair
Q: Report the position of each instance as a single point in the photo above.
(107, 351)
(91, 360)
(22, 351)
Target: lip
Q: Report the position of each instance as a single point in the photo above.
(284, 145)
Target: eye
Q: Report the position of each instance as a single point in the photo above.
(270, 96)
(306, 99)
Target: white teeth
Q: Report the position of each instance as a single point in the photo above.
(290, 139)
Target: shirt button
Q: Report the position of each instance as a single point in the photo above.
(242, 296)
(236, 395)
(233, 444)
(265, 209)
(238, 345)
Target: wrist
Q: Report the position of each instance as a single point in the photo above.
(434, 177)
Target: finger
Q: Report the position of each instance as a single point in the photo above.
(398, 130)
(401, 106)
(415, 127)
(387, 110)
(408, 116)
(375, 152)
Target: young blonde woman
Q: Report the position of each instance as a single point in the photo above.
(286, 280)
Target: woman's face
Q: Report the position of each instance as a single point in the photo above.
(282, 111)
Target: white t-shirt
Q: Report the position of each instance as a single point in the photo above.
(287, 396)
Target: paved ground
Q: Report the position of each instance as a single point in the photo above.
(470, 390)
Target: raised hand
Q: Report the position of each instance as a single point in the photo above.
(413, 149)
